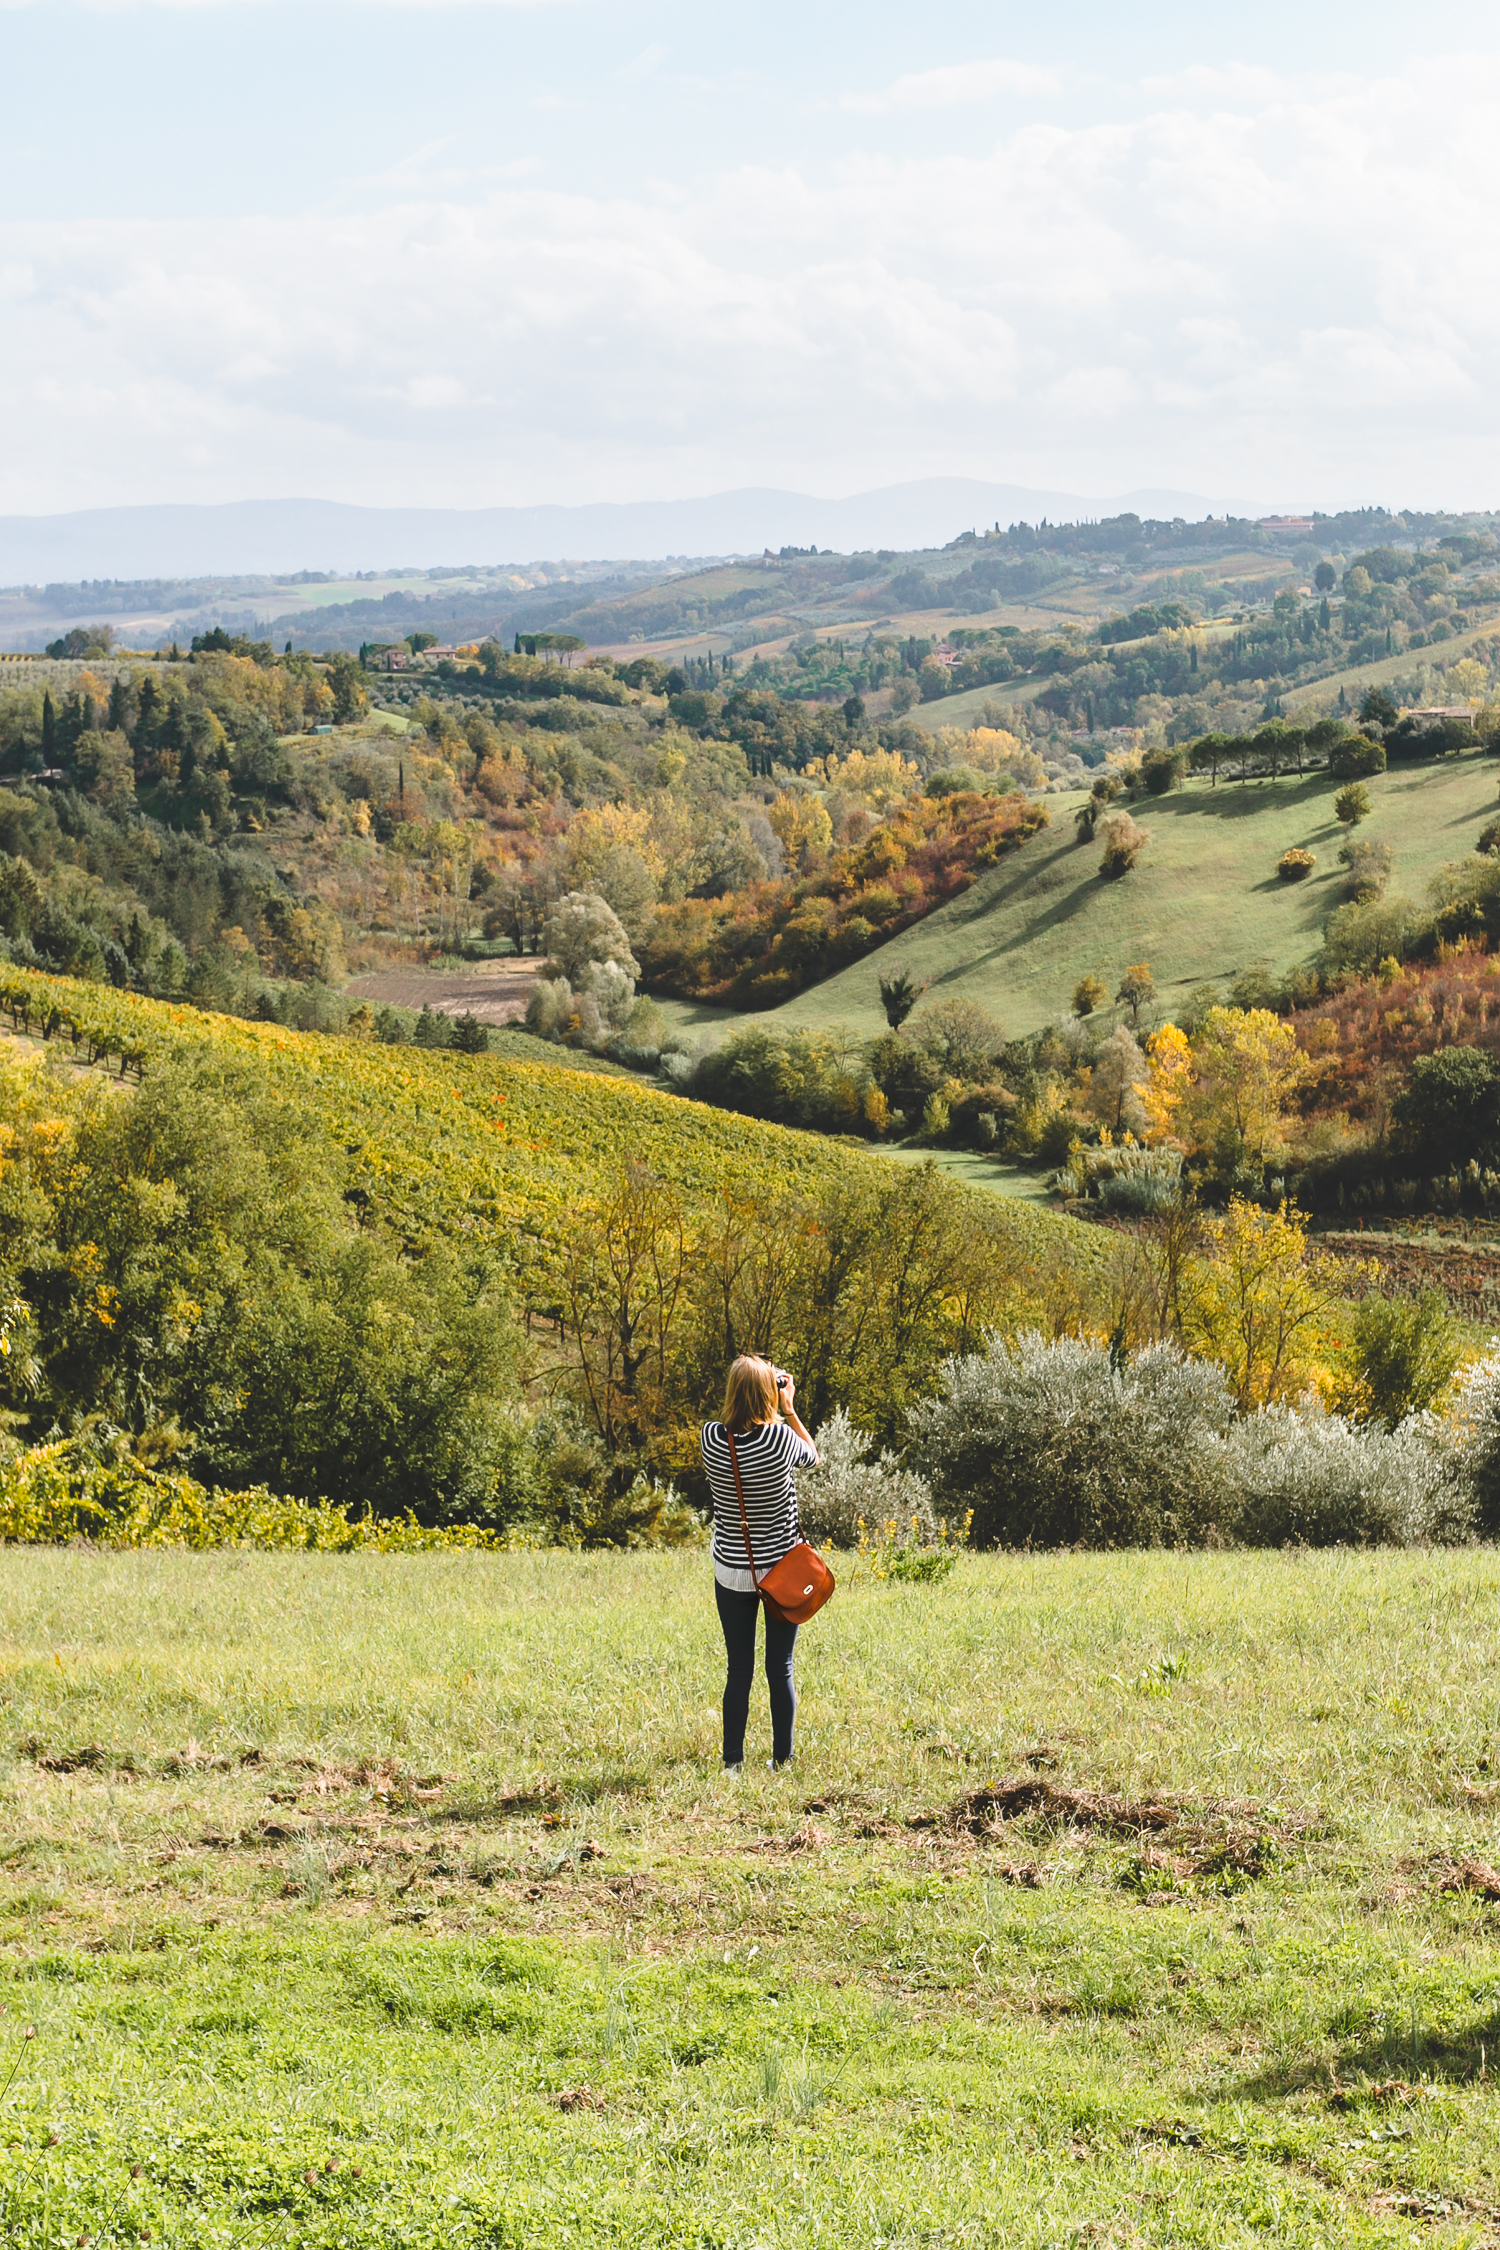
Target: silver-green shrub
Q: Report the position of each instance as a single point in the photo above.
(846, 1489)
(549, 1007)
(1054, 1444)
(1475, 1428)
(1309, 1478)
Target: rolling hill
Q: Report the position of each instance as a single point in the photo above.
(446, 1144)
(1204, 903)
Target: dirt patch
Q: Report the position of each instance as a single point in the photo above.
(1231, 1842)
(809, 1837)
(1476, 1876)
(494, 992)
(981, 1811)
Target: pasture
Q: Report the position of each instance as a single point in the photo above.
(1204, 903)
(368, 1900)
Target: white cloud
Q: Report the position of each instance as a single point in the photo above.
(953, 84)
(1259, 292)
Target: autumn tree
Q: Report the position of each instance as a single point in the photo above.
(1088, 994)
(1169, 1082)
(1124, 840)
(1246, 1066)
(1262, 1303)
(623, 1280)
(1119, 1071)
(1137, 989)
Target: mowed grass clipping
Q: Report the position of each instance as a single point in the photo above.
(401, 1900)
(1204, 903)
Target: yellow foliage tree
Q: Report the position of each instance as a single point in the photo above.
(597, 831)
(878, 777)
(1162, 1097)
(1246, 1066)
(1260, 1302)
(802, 826)
(991, 750)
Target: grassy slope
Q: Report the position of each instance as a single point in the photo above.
(484, 1927)
(1205, 901)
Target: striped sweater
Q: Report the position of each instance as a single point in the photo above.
(769, 1454)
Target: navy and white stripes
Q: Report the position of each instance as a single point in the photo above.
(769, 1455)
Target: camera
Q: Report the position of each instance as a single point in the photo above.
(782, 1379)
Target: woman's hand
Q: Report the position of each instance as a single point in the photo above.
(786, 1389)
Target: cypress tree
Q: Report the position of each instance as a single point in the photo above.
(145, 718)
(49, 729)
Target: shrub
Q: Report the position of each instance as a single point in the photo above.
(549, 1009)
(1406, 1353)
(1162, 770)
(1088, 994)
(61, 1492)
(1352, 805)
(1143, 1181)
(1052, 1444)
(1059, 1444)
(1296, 864)
(1369, 870)
(1356, 936)
(1357, 756)
(1448, 1112)
(583, 928)
(1476, 1445)
(1489, 837)
(800, 1078)
(847, 1489)
(936, 1117)
(1429, 738)
(1310, 1478)
(1124, 841)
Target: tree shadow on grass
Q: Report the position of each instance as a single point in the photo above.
(1236, 800)
(1052, 918)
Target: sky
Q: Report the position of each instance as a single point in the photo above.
(408, 253)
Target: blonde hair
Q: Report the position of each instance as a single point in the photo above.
(749, 1394)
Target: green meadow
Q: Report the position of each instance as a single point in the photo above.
(1204, 903)
(384, 1900)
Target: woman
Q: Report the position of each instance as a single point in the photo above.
(760, 1415)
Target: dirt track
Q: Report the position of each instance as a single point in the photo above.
(494, 992)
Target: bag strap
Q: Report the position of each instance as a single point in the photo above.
(734, 1463)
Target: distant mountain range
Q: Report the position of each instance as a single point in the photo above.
(279, 536)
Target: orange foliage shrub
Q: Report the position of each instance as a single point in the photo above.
(762, 945)
(1362, 1041)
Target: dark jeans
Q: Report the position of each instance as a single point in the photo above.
(737, 1615)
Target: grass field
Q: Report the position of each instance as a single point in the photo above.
(401, 1901)
(1204, 903)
